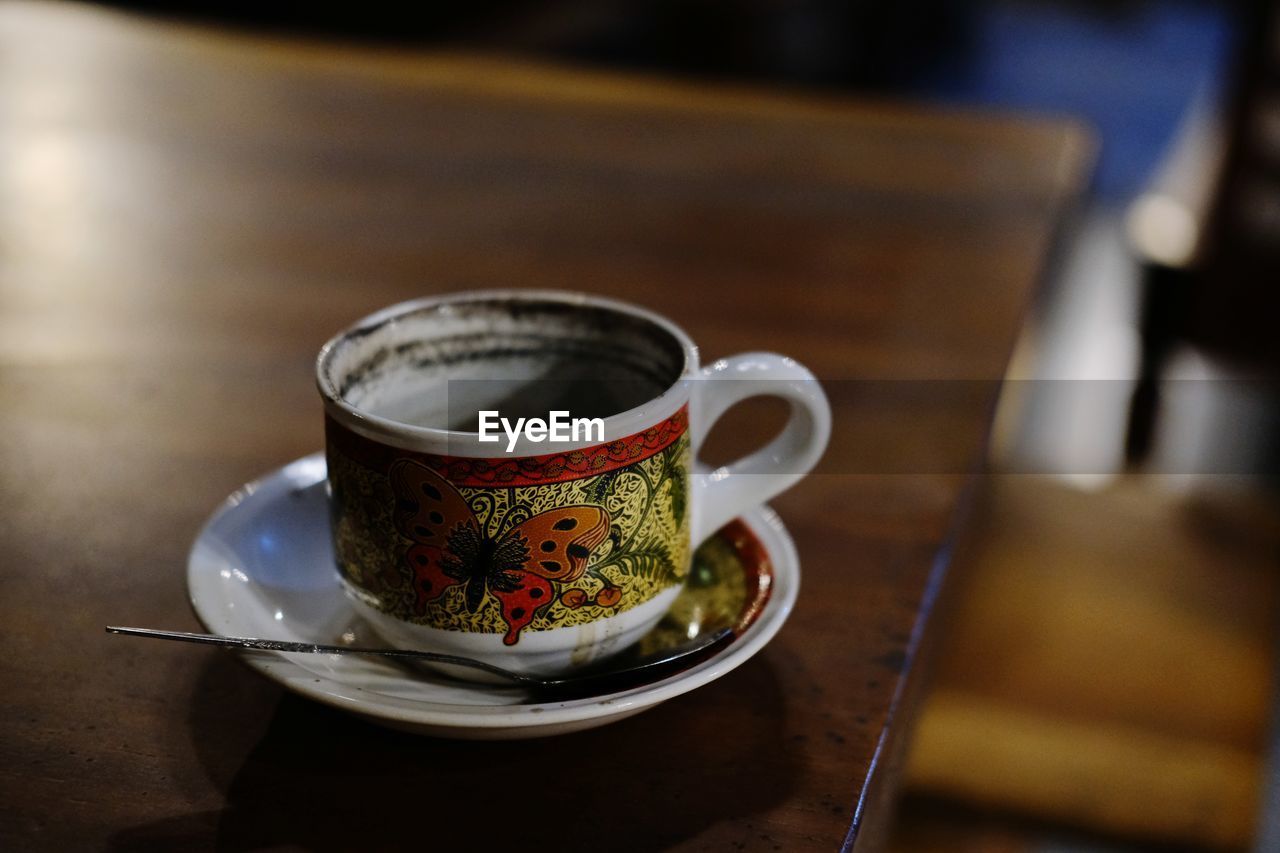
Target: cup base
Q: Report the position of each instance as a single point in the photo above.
(558, 651)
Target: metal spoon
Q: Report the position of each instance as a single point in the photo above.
(574, 683)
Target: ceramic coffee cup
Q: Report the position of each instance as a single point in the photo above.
(534, 554)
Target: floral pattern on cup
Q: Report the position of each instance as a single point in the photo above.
(468, 554)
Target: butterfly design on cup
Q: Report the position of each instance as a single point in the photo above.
(519, 567)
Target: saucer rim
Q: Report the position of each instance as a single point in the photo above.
(763, 522)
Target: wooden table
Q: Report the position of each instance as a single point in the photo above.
(186, 215)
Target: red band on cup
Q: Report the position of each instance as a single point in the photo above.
(516, 470)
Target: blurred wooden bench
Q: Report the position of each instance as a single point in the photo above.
(1107, 661)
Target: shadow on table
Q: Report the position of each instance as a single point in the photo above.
(319, 779)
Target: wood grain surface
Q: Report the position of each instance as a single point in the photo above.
(187, 214)
(1119, 640)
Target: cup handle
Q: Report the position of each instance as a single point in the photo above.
(721, 495)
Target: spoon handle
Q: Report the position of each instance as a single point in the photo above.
(592, 678)
(320, 648)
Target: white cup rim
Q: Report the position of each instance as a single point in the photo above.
(465, 443)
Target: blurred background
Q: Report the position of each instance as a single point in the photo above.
(1105, 677)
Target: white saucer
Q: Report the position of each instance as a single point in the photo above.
(263, 567)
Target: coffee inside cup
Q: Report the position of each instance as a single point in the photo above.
(438, 366)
